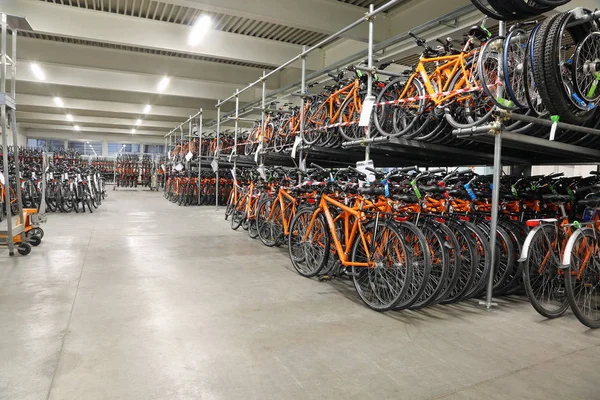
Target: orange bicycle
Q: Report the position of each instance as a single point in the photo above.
(374, 249)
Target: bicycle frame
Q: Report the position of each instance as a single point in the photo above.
(281, 197)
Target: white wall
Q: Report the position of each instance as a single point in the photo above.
(568, 170)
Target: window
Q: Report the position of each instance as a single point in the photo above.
(90, 148)
(55, 145)
(116, 148)
(79, 146)
(154, 148)
(36, 143)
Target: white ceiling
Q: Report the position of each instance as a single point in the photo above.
(104, 58)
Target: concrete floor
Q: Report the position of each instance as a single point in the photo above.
(148, 300)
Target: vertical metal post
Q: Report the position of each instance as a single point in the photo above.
(4, 133)
(217, 155)
(302, 105)
(263, 119)
(495, 192)
(199, 155)
(235, 134)
(369, 80)
(17, 155)
(42, 207)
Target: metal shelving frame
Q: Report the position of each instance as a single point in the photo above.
(8, 108)
(529, 149)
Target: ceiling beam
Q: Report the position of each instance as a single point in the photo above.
(113, 59)
(76, 106)
(132, 31)
(60, 119)
(321, 16)
(60, 74)
(85, 129)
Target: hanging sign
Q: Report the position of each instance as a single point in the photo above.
(189, 156)
(1, 179)
(179, 167)
(297, 142)
(257, 153)
(215, 165)
(367, 109)
(233, 174)
(362, 167)
(261, 171)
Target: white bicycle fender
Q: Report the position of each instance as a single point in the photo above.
(566, 260)
(527, 243)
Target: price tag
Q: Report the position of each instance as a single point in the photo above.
(189, 156)
(297, 142)
(257, 153)
(261, 171)
(1, 178)
(367, 109)
(215, 165)
(555, 119)
(179, 167)
(362, 167)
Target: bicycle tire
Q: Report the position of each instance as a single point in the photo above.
(371, 284)
(584, 278)
(305, 259)
(483, 268)
(531, 272)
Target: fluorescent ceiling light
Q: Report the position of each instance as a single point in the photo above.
(69, 117)
(147, 108)
(76, 127)
(58, 101)
(38, 72)
(138, 122)
(164, 82)
(132, 131)
(199, 30)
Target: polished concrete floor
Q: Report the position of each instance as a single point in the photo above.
(147, 300)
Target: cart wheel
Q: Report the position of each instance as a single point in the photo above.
(24, 249)
(38, 232)
(34, 240)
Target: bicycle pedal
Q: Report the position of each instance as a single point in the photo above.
(325, 278)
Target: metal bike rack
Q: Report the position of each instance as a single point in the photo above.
(8, 108)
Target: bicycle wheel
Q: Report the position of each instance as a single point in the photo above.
(309, 255)
(439, 267)
(407, 113)
(420, 257)
(582, 278)
(586, 68)
(452, 249)
(384, 284)
(544, 286)
(532, 95)
(270, 229)
(317, 117)
(238, 216)
(350, 114)
(515, 53)
(469, 262)
(482, 247)
(252, 228)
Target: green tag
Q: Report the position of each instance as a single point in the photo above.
(533, 186)
(416, 189)
(555, 118)
(505, 102)
(576, 224)
(359, 73)
(594, 86)
(482, 26)
(571, 193)
(513, 190)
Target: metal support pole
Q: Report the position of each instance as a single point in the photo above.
(370, 80)
(495, 194)
(235, 135)
(302, 105)
(199, 157)
(217, 157)
(263, 120)
(4, 133)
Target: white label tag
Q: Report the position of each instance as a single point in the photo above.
(257, 152)
(71, 186)
(261, 171)
(367, 109)
(230, 155)
(179, 167)
(215, 165)
(33, 175)
(164, 168)
(233, 174)
(65, 176)
(302, 163)
(362, 167)
(51, 175)
(1, 178)
(188, 156)
(297, 142)
(553, 131)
